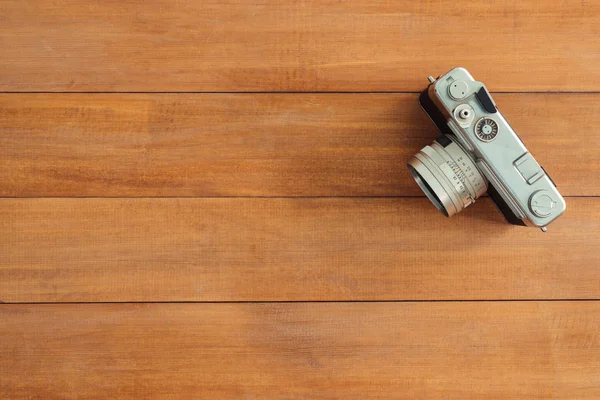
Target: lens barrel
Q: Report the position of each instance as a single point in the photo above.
(448, 176)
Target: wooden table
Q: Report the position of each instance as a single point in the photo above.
(205, 199)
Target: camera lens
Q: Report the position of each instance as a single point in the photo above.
(448, 177)
(429, 192)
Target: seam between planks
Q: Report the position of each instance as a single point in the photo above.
(291, 93)
(241, 197)
(301, 301)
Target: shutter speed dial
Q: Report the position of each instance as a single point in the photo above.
(486, 129)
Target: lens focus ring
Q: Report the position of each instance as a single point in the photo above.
(448, 176)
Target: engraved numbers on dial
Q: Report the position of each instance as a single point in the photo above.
(457, 178)
(472, 176)
(486, 129)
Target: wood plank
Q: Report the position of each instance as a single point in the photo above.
(55, 250)
(281, 45)
(298, 351)
(261, 144)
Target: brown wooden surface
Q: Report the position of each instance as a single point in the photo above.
(273, 243)
(282, 45)
(407, 351)
(261, 144)
(288, 249)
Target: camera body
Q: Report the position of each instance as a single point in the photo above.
(478, 151)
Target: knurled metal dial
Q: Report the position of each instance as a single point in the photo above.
(486, 129)
(541, 203)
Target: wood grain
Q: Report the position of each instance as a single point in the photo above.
(413, 351)
(261, 144)
(309, 45)
(174, 195)
(55, 250)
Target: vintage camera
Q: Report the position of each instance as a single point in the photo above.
(479, 152)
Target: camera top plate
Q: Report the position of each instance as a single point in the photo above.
(496, 148)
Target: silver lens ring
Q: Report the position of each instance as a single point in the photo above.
(448, 176)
